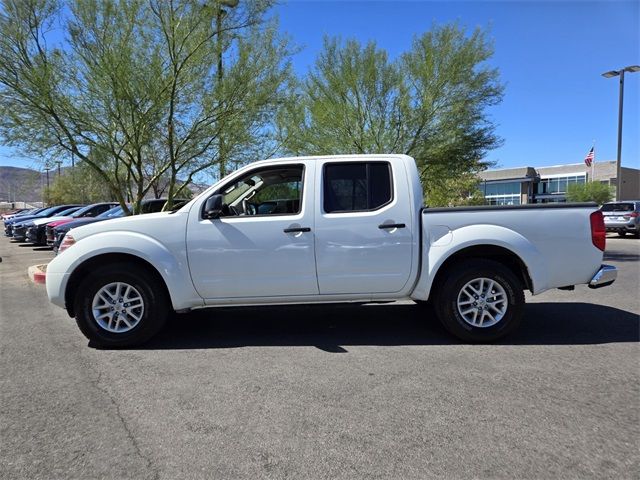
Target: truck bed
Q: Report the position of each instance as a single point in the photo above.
(553, 240)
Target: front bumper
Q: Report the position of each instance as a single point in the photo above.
(31, 235)
(58, 240)
(50, 235)
(606, 275)
(19, 234)
(55, 286)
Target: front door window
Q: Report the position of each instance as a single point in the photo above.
(268, 191)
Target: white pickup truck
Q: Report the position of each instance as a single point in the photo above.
(324, 230)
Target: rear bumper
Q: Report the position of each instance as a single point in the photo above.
(613, 226)
(623, 228)
(606, 275)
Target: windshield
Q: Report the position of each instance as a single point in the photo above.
(81, 211)
(33, 211)
(47, 211)
(617, 207)
(66, 212)
(112, 213)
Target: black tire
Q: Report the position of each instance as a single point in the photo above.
(428, 312)
(153, 317)
(460, 275)
(621, 233)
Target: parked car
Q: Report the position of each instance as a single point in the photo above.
(45, 213)
(19, 228)
(8, 222)
(147, 206)
(622, 217)
(36, 234)
(318, 230)
(55, 234)
(13, 213)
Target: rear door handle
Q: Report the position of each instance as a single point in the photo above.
(391, 225)
(297, 230)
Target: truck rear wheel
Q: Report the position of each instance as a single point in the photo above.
(480, 301)
(120, 306)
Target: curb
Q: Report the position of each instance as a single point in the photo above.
(38, 273)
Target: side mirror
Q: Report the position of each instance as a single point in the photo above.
(213, 207)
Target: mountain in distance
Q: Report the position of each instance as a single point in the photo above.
(22, 184)
(26, 185)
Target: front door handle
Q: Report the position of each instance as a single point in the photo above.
(297, 230)
(391, 225)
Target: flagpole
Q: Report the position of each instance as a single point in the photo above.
(593, 162)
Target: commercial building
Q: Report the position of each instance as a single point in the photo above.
(515, 186)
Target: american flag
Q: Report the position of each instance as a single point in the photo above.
(588, 160)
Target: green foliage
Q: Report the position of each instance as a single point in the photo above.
(76, 185)
(454, 191)
(278, 191)
(589, 192)
(430, 103)
(150, 93)
(137, 91)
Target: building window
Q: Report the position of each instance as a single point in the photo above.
(558, 185)
(504, 200)
(507, 193)
(509, 188)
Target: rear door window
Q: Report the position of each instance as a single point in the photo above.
(356, 187)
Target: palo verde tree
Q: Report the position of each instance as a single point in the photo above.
(134, 88)
(76, 185)
(224, 77)
(430, 103)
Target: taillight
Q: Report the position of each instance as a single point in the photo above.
(598, 232)
(633, 215)
(67, 241)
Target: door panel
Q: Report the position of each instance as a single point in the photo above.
(355, 252)
(251, 255)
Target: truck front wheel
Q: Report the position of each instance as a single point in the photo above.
(480, 301)
(120, 306)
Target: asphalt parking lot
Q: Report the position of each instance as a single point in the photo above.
(377, 391)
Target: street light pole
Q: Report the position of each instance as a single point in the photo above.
(619, 156)
(220, 75)
(620, 73)
(46, 169)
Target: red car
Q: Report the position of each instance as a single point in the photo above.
(86, 212)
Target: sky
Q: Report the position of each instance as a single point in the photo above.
(550, 55)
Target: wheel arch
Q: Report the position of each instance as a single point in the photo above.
(91, 264)
(497, 253)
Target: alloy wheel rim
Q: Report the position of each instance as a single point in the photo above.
(117, 307)
(482, 302)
